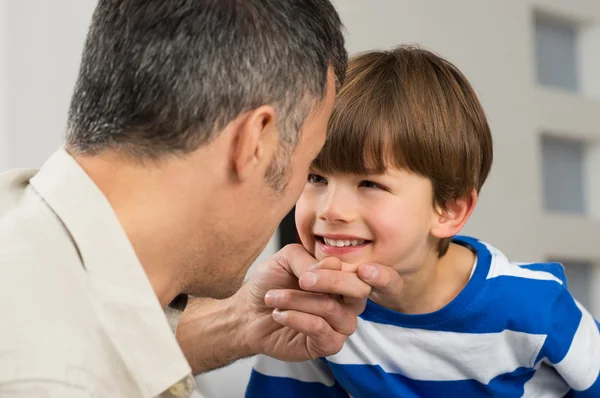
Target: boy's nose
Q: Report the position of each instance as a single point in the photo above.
(337, 208)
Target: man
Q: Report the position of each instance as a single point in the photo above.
(190, 134)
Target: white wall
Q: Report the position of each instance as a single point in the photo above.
(3, 87)
(41, 56)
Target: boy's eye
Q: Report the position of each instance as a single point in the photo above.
(371, 185)
(316, 179)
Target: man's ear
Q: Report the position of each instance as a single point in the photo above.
(255, 139)
(451, 218)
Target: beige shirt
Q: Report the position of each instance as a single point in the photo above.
(78, 315)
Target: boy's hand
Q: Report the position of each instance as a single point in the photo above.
(385, 281)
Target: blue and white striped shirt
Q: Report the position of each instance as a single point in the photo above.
(513, 331)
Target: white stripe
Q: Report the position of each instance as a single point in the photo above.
(545, 383)
(315, 371)
(502, 267)
(493, 251)
(581, 366)
(434, 355)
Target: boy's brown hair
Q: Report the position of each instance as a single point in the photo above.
(409, 109)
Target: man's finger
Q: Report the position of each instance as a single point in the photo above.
(346, 284)
(308, 324)
(322, 340)
(340, 316)
(356, 305)
(384, 280)
(296, 260)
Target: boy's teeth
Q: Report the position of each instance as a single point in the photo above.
(343, 243)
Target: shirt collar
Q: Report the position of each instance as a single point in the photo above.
(120, 291)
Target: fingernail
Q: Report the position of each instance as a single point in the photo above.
(370, 272)
(277, 314)
(313, 266)
(272, 297)
(309, 279)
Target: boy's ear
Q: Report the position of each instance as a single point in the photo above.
(451, 218)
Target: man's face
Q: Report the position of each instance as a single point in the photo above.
(255, 217)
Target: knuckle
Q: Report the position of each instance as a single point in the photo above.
(359, 307)
(285, 253)
(365, 291)
(332, 307)
(290, 317)
(319, 326)
(347, 324)
(279, 259)
(325, 347)
(335, 280)
(337, 343)
(352, 326)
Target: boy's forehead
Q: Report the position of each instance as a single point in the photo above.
(368, 163)
(367, 172)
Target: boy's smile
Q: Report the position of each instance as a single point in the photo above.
(338, 245)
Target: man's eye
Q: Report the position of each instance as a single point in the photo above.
(316, 179)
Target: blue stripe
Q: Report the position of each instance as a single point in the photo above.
(261, 386)
(372, 381)
(517, 304)
(566, 317)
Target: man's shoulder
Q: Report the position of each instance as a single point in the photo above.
(28, 227)
(37, 255)
(50, 328)
(41, 275)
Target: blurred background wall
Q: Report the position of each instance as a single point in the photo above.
(534, 63)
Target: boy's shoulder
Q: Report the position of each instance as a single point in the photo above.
(553, 268)
(522, 293)
(520, 296)
(497, 264)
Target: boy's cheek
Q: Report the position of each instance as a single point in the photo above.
(307, 240)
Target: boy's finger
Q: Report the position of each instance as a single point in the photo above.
(384, 280)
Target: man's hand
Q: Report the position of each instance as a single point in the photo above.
(293, 308)
(299, 309)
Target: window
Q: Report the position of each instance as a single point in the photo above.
(556, 53)
(579, 274)
(563, 166)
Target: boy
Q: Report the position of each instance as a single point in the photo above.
(408, 151)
